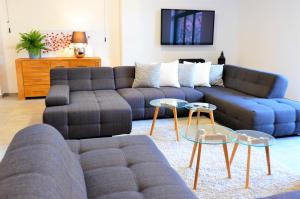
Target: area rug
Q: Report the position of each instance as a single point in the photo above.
(213, 181)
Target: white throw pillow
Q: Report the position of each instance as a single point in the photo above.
(202, 73)
(169, 74)
(186, 75)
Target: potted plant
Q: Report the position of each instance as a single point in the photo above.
(33, 42)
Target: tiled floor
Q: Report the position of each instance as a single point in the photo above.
(16, 114)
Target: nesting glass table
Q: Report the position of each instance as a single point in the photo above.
(252, 138)
(170, 103)
(211, 134)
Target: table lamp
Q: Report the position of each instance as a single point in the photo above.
(79, 39)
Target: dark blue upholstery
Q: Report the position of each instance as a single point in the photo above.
(288, 195)
(139, 100)
(99, 96)
(253, 82)
(278, 117)
(84, 79)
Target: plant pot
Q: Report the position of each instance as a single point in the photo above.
(34, 56)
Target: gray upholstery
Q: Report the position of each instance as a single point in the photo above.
(288, 195)
(256, 83)
(102, 101)
(278, 117)
(84, 79)
(139, 99)
(58, 95)
(40, 164)
(124, 76)
(91, 114)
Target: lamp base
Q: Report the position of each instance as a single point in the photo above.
(79, 52)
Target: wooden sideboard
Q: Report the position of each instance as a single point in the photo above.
(33, 75)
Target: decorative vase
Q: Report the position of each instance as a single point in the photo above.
(79, 52)
(222, 59)
(34, 56)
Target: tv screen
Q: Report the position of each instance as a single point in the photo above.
(187, 27)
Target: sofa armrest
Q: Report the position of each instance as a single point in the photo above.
(58, 95)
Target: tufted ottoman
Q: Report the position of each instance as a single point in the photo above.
(39, 163)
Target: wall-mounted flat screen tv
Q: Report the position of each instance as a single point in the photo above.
(187, 27)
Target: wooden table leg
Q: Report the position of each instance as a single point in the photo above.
(154, 120)
(197, 166)
(211, 115)
(176, 123)
(198, 117)
(227, 160)
(268, 159)
(190, 118)
(233, 152)
(193, 154)
(248, 167)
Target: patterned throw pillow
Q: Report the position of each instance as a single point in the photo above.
(216, 75)
(146, 75)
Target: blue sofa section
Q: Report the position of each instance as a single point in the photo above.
(100, 102)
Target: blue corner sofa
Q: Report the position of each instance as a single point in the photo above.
(100, 102)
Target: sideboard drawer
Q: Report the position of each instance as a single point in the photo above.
(36, 90)
(35, 66)
(60, 64)
(36, 78)
(79, 63)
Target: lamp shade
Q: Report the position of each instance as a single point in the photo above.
(79, 37)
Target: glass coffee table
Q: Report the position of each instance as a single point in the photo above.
(211, 134)
(170, 103)
(252, 138)
(200, 107)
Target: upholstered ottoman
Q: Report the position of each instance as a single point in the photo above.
(39, 163)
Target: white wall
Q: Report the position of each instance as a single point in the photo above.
(57, 15)
(140, 23)
(270, 39)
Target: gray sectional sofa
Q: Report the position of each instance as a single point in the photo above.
(39, 163)
(99, 102)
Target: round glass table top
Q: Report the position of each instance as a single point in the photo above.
(168, 102)
(207, 134)
(252, 138)
(200, 107)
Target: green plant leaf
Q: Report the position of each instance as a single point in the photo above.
(33, 42)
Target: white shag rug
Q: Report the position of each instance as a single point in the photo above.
(213, 181)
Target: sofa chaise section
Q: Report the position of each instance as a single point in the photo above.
(139, 98)
(253, 100)
(39, 163)
(82, 103)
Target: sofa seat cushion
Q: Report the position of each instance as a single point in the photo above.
(39, 164)
(127, 167)
(97, 113)
(139, 99)
(273, 116)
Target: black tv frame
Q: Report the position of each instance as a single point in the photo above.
(174, 44)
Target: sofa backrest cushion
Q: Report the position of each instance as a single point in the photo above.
(84, 79)
(39, 164)
(124, 76)
(253, 82)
